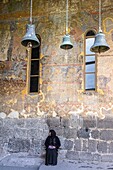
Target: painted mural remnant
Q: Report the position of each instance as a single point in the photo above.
(82, 119)
(5, 36)
(108, 25)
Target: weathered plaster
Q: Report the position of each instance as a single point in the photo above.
(61, 102)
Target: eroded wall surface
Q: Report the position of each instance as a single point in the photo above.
(83, 120)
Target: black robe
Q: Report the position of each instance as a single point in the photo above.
(52, 153)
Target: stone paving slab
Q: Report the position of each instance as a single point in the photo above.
(20, 160)
(25, 162)
(77, 165)
(17, 168)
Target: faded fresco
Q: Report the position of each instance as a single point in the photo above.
(61, 96)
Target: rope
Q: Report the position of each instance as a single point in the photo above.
(66, 16)
(31, 12)
(100, 16)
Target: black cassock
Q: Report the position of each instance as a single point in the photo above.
(52, 145)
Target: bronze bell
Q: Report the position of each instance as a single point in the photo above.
(100, 44)
(66, 43)
(30, 37)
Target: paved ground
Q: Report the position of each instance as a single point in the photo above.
(17, 168)
(64, 165)
(70, 165)
(22, 162)
(19, 161)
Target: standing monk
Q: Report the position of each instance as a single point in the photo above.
(52, 144)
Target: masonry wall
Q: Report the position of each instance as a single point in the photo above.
(81, 139)
(82, 120)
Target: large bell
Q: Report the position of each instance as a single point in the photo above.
(100, 44)
(30, 37)
(66, 43)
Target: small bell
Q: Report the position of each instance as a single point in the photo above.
(100, 44)
(30, 37)
(66, 43)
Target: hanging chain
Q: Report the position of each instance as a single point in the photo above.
(31, 12)
(100, 16)
(66, 16)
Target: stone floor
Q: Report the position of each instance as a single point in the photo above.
(78, 165)
(25, 162)
(17, 168)
(19, 161)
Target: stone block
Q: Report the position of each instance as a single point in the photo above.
(18, 145)
(89, 123)
(72, 155)
(86, 156)
(53, 122)
(96, 157)
(42, 146)
(107, 158)
(34, 123)
(83, 133)
(59, 130)
(1, 122)
(45, 127)
(62, 140)
(41, 134)
(20, 133)
(111, 147)
(92, 146)
(74, 119)
(35, 147)
(62, 154)
(19, 123)
(6, 133)
(95, 134)
(106, 135)
(84, 145)
(102, 147)
(33, 133)
(77, 146)
(68, 144)
(70, 133)
(9, 123)
(106, 123)
(65, 122)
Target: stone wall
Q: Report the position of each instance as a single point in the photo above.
(88, 139)
(23, 135)
(82, 120)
